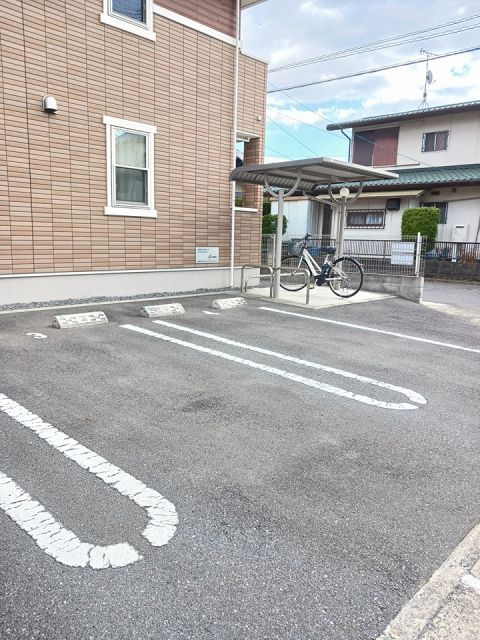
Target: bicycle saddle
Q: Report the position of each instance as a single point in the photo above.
(328, 250)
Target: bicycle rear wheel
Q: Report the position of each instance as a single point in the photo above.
(291, 281)
(346, 277)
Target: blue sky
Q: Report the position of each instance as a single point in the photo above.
(282, 31)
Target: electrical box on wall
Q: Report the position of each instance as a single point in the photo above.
(460, 233)
(393, 204)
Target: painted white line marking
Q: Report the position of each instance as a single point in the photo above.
(363, 328)
(472, 582)
(411, 395)
(211, 313)
(162, 516)
(56, 541)
(37, 336)
(278, 372)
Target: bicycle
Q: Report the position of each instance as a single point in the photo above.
(343, 275)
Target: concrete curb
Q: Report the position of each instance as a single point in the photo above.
(412, 621)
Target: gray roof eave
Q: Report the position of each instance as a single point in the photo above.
(418, 114)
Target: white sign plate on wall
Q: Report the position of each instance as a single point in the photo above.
(402, 253)
(207, 255)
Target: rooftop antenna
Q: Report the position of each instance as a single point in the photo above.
(428, 79)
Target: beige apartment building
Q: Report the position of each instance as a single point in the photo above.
(117, 121)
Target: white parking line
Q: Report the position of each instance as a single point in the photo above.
(363, 328)
(411, 395)
(401, 406)
(58, 542)
(49, 534)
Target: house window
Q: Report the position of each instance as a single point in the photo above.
(135, 16)
(377, 147)
(435, 141)
(131, 9)
(130, 159)
(371, 219)
(443, 206)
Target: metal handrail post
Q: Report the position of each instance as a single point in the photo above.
(419, 253)
(256, 266)
(305, 272)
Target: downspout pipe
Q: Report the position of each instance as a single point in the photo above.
(349, 145)
(234, 140)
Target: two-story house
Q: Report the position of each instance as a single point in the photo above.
(118, 124)
(436, 152)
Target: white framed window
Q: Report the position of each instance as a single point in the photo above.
(435, 141)
(365, 219)
(135, 16)
(130, 165)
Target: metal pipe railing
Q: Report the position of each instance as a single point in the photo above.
(284, 271)
(295, 270)
(259, 275)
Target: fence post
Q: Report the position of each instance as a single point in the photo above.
(418, 254)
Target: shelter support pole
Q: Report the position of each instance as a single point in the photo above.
(278, 243)
(281, 194)
(342, 214)
(342, 203)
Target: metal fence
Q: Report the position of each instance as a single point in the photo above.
(455, 252)
(396, 257)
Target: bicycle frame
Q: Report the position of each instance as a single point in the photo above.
(313, 265)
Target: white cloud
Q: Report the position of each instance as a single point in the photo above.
(327, 13)
(294, 117)
(284, 32)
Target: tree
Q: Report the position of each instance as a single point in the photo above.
(269, 221)
(269, 224)
(423, 220)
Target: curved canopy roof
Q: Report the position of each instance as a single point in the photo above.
(314, 172)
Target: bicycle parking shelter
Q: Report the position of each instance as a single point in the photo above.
(283, 179)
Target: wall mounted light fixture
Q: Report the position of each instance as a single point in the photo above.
(49, 104)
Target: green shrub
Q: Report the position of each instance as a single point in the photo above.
(267, 207)
(423, 220)
(239, 201)
(269, 224)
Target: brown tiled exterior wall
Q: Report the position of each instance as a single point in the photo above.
(53, 167)
(217, 14)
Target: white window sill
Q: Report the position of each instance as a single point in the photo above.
(246, 210)
(132, 212)
(105, 18)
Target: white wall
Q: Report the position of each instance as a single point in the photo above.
(463, 208)
(297, 213)
(393, 219)
(49, 288)
(463, 143)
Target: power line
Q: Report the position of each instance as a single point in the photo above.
(340, 137)
(292, 136)
(407, 63)
(393, 41)
(278, 153)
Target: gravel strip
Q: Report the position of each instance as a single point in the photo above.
(99, 299)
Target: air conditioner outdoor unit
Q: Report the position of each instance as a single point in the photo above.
(460, 232)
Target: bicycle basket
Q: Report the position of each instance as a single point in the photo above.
(296, 248)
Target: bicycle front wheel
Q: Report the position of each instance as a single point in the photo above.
(290, 280)
(346, 277)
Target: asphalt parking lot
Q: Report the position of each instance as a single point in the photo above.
(320, 471)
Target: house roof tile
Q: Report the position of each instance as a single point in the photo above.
(466, 174)
(418, 114)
